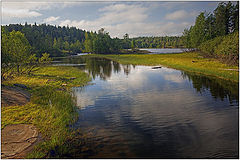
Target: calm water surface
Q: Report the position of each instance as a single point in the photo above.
(139, 112)
(164, 50)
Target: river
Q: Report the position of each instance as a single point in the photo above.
(139, 112)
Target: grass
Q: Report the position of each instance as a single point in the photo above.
(51, 108)
(191, 62)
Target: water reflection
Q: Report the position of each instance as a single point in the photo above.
(219, 88)
(103, 68)
(137, 112)
(98, 67)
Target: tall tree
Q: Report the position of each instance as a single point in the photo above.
(19, 49)
(88, 43)
(222, 17)
(198, 34)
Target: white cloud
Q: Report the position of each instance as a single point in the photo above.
(116, 18)
(51, 19)
(180, 14)
(112, 15)
(29, 9)
(19, 13)
(119, 19)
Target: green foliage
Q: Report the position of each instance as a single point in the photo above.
(101, 43)
(154, 42)
(126, 42)
(88, 43)
(17, 57)
(198, 32)
(208, 48)
(34, 63)
(229, 45)
(186, 38)
(223, 21)
(228, 49)
(51, 39)
(225, 48)
(15, 53)
(132, 44)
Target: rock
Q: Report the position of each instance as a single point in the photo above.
(20, 85)
(17, 140)
(12, 96)
(156, 67)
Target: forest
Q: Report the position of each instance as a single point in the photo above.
(62, 41)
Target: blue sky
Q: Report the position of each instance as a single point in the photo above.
(135, 18)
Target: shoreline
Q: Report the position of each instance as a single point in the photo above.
(187, 61)
(51, 108)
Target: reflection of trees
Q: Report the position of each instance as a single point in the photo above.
(104, 67)
(219, 88)
(99, 67)
(96, 66)
(126, 69)
(116, 67)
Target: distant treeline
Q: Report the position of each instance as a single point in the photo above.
(157, 42)
(60, 41)
(216, 34)
(50, 39)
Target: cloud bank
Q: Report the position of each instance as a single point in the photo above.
(133, 19)
(117, 18)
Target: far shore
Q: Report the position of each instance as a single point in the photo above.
(187, 61)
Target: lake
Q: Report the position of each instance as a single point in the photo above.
(133, 111)
(164, 50)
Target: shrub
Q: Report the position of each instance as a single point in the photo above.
(208, 47)
(228, 49)
(225, 48)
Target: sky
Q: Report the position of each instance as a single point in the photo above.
(137, 18)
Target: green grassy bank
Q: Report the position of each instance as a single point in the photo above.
(192, 62)
(51, 108)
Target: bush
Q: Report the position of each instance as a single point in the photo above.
(208, 47)
(228, 49)
(225, 48)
